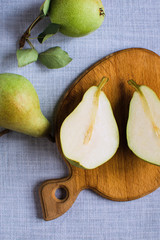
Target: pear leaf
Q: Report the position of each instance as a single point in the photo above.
(45, 7)
(54, 58)
(26, 56)
(50, 30)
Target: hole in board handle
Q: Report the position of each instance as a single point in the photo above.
(60, 194)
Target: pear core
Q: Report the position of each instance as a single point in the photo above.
(89, 135)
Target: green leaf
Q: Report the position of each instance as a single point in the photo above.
(48, 32)
(26, 56)
(54, 58)
(45, 7)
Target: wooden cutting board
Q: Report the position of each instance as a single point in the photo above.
(125, 177)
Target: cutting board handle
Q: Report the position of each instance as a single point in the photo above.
(53, 205)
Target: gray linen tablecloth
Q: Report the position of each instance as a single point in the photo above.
(25, 162)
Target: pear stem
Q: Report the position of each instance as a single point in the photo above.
(103, 82)
(135, 85)
(95, 103)
(51, 138)
(4, 132)
(27, 33)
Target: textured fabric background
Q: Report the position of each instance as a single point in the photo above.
(25, 162)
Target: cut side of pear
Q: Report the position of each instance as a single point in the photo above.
(89, 135)
(143, 127)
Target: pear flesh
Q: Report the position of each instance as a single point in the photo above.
(20, 108)
(143, 127)
(77, 18)
(89, 135)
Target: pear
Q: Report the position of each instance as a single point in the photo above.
(77, 18)
(89, 135)
(143, 127)
(20, 108)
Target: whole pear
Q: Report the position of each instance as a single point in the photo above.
(19, 106)
(77, 17)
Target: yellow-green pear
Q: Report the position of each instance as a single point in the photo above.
(89, 135)
(77, 17)
(19, 106)
(143, 127)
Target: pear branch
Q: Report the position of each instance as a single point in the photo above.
(27, 33)
(89, 132)
(4, 132)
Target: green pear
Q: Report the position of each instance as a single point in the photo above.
(20, 108)
(77, 17)
(89, 135)
(143, 127)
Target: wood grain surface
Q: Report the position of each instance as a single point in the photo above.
(124, 177)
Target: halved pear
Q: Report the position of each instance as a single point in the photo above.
(89, 135)
(143, 127)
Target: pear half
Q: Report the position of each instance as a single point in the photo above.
(89, 135)
(143, 127)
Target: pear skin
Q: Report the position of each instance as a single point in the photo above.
(20, 108)
(77, 18)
